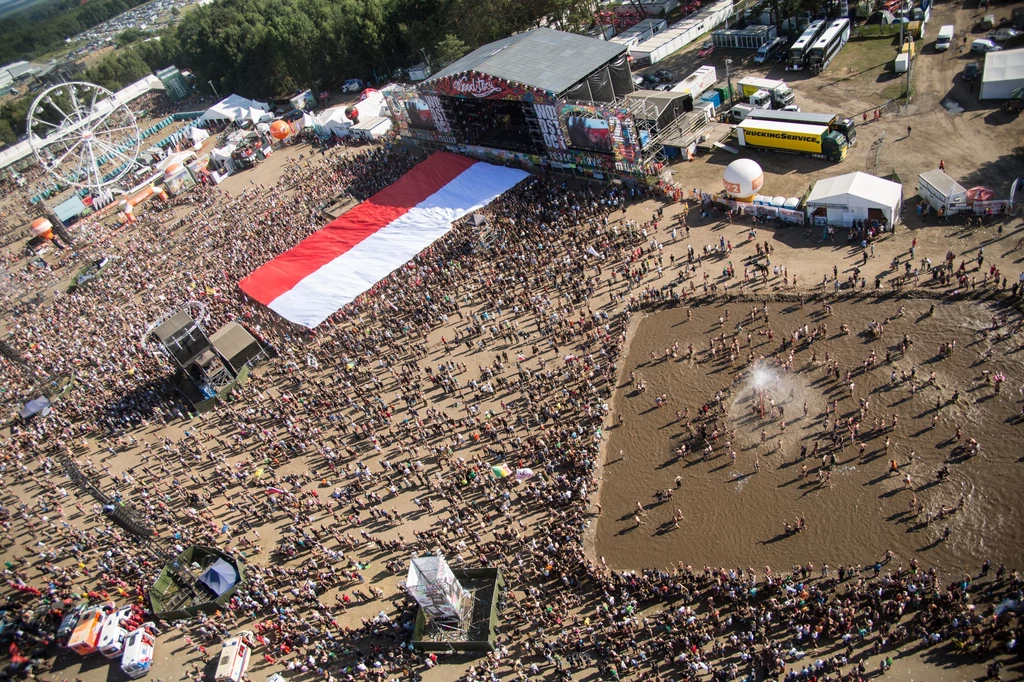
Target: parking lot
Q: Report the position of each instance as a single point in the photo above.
(979, 143)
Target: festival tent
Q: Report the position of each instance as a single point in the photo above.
(1003, 73)
(371, 128)
(333, 266)
(237, 109)
(198, 136)
(222, 154)
(40, 406)
(220, 577)
(336, 120)
(333, 122)
(180, 158)
(854, 196)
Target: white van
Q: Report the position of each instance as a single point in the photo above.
(234, 659)
(945, 38)
(111, 642)
(138, 653)
(766, 51)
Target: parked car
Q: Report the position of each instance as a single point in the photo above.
(971, 71)
(985, 45)
(664, 87)
(638, 81)
(664, 75)
(707, 48)
(1003, 34)
(352, 85)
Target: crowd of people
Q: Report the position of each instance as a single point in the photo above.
(372, 411)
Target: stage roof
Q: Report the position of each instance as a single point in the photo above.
(542, 58)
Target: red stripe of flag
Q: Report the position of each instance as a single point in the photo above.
(282, 273)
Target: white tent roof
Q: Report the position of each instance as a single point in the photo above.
(1004, 65)
(177, 157)
(237, 109)
(15, 152)
(197, 135)
(371, 107)
(370, 123)
(857, 189)
(223, 153)
(140, 88)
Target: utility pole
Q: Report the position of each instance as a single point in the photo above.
(728, 78)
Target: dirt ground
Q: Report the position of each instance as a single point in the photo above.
(830, 517)
(735, 508)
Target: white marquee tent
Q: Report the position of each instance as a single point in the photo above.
(854, 196)
(335, 121)
(198, 136)
(371, 128)
(237, 109)
(1003, 73)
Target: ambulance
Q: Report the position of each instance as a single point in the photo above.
(138, 653)
(234, 658)
(113, 635)
(86, 636)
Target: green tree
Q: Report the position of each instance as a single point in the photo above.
(129, 36)
(449, 49)
(7, 135)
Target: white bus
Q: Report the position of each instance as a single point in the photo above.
(798, 52)
(828, 45)
(234, 659)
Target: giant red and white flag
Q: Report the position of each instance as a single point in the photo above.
(332, 266)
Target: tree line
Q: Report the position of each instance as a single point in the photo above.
(45, 26)
(268, 48)
(265, 48)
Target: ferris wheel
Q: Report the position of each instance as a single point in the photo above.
(83, 136)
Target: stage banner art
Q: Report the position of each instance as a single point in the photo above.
(179, 181)
(603, 128)
(437, 112)
(480, 86)
(333, 266)
(547, 116)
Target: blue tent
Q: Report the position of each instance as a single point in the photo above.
(220, 577)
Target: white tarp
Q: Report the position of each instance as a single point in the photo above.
(198, 136)
(371, 128)
(237, 109)
(434, 587)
